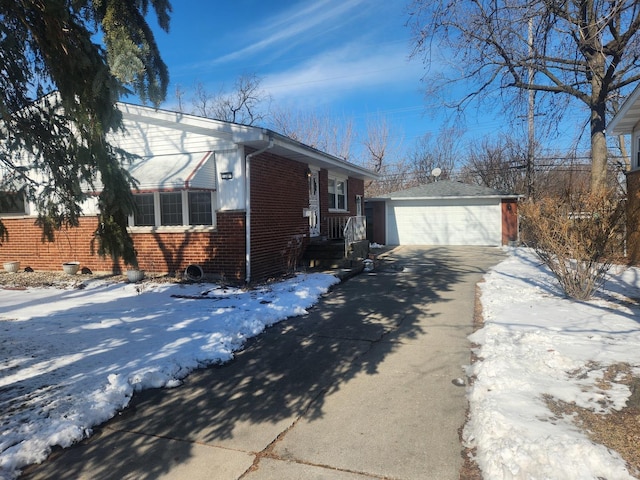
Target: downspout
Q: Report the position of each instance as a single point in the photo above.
(247, 188)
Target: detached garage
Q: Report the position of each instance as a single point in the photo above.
(443, 213)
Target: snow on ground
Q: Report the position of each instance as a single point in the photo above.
(70, 359)
(535, 342)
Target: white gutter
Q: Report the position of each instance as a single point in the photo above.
(247, 196)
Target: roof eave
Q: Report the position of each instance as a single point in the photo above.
(446, 197)
(628, 116)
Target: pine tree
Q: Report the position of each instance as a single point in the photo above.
(54, 146)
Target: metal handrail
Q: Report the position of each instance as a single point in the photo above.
(354, 230)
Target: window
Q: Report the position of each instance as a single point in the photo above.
(182, 208)
(171, 208)
(200, 208)
(337, 194)
(12, 203)
(145, 213)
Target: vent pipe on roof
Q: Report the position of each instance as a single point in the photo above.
(247, 196)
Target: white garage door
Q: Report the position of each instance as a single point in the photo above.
(444, 222)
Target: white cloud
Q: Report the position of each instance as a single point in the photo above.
(337, 73)
(294, 26)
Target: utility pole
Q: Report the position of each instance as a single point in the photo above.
(530, 118)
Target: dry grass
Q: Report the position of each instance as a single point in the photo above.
(23, 280)
(618, 430)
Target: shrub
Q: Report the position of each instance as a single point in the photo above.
(576, 236)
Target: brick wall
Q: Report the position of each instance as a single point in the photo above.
(218, 253)
(633, 216)
(279, 230)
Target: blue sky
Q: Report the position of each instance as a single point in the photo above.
(349, 58)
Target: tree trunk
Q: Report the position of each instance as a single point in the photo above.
(598, 106)
(598, 148)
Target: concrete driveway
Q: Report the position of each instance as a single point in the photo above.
(361, 388)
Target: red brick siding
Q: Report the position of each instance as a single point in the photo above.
(633, 216)
(220, 252)
(376, 222)
(279, 194)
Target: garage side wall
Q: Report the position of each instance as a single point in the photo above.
(509, 221)
(376, 222)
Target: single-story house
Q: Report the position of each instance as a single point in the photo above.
(627, 122)
(241, 202)
(443, 213)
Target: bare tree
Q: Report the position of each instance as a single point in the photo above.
(382, 157)
(244, 104)
(431, 152)
(316, 129)
(581, 49)
(498, 164)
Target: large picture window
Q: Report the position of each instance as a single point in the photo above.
(183, 208)
(337, 194)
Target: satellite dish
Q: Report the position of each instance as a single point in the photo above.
(436, 172)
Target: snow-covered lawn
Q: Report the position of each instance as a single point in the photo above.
(535, 344)
(70, 359)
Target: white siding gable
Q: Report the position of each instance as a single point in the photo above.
(230, 192)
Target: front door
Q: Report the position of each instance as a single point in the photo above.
(314, 204)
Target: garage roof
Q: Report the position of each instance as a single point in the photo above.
(446, 189)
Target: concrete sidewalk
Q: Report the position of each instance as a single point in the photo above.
(361, 388)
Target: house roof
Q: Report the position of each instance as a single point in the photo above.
(251, 136)
(446, 189)
(628, 116)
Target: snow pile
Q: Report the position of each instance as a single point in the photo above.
(537, 343)
(70, 359)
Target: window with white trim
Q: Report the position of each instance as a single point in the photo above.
(145, 212)
(170, 209)
(200, 208)
(12, 203)
(337, 194)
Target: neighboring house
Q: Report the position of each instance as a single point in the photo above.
(627, 122)
(443, 213)
(241, 202)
